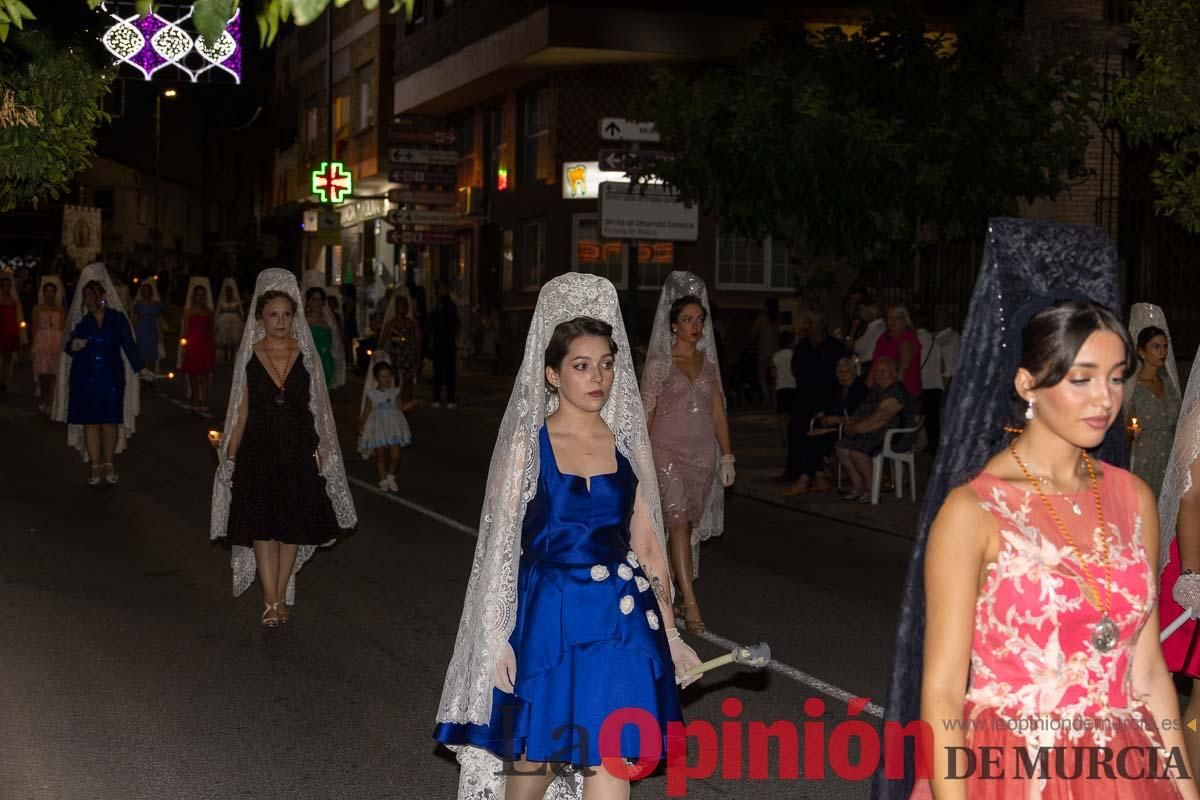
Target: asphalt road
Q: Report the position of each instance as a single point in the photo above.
(128, 671)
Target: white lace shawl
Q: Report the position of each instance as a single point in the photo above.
(230, 283)
(490, 607)
(1142, 316)
(655, 372)
(332, 467)
(132, 405)
(1177, 480)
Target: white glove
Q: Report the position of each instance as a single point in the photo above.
(225, 472)
(1186, 592)
(727, 471)
(506, 670)
(683, 657)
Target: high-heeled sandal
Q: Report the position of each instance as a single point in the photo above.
(270, 615)
(94, 478)
(693, 622)
(281, 611)
(110, 475)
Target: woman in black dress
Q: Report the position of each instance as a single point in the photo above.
(280, 490)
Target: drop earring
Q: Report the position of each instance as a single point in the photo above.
(1029, 410)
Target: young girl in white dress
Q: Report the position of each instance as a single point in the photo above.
(382, 427)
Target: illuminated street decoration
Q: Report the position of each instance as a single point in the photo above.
(153, 42)
(332, 182)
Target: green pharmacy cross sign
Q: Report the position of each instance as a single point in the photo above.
(332, 182)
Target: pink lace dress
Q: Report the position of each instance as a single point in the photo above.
(1037, 682)
(684, 440)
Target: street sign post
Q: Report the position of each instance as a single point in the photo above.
(646, 212)
(398, 236)
(405, 217)
(619, 129)
(421, 198)
(411, 156)
(428, 177)
(416, 129)
(628, 161)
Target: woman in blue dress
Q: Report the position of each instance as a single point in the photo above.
(97, 396)
(147, 313)
(569, 596)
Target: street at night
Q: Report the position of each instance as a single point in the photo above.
(599, 399)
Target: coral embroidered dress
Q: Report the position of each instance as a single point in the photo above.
(1037, 681)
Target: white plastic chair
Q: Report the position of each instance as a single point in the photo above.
(899, 460)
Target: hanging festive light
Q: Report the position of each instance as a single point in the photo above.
(149, 43)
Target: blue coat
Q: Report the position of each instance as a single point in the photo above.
(97, 374)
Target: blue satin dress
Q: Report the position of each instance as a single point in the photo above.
(589, 639)
(97, 372)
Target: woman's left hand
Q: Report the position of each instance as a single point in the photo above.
(683, 657)
(728, 473)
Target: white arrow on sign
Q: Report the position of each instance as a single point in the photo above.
(619, 129)
(398, 217)
(413, 155)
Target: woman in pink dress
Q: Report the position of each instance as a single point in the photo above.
(689, 432)
(1029, 632)
(1179, 555)
(49, 317)
(199, 347)
(900, 342)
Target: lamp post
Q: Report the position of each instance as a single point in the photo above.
(168, 93)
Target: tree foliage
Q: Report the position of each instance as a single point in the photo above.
(51, 87)
(855, 145)
(1160, 103)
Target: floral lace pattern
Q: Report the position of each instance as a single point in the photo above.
(1032, 655)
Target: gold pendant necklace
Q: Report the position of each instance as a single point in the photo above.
(1105, 633)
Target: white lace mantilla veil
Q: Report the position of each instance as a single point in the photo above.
(155, 297)
(61, 295)
(237, 294)
(490, 607)
(658, 366)
(390, 313)
(1146, 315)
(332, 467)
(1177, 480)
(132, 405)
(193, 282)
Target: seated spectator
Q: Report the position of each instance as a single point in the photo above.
(816, 446)
(814, 367)
(888, 405)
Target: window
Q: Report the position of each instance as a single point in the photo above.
(532, 254)
(506, 260)
(591, 254)
(655, 260)
(366, 98)
(751, 264)
(497, 150)
(341, 112)
(537, 160)
(312, 128)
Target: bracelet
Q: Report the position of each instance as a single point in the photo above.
(673, 635)
(728, 458)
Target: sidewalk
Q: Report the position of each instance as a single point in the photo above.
(760, 450)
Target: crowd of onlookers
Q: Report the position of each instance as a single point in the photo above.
(838, 393)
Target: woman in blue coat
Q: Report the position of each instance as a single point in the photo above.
(101, 399)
